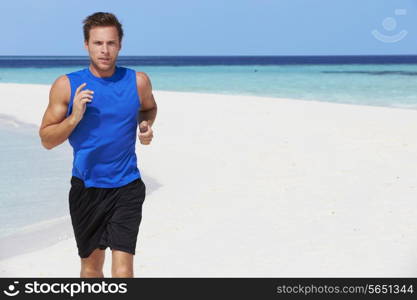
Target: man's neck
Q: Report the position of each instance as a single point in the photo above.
(102, 74)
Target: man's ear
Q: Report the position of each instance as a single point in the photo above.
(86, 45)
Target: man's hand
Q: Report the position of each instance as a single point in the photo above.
(79, 102)
(145, 133)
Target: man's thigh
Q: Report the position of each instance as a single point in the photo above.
(95, 261)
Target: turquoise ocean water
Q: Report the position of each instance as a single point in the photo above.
(381, 85)
(34, 182)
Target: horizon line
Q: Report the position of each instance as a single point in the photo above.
(232, 55)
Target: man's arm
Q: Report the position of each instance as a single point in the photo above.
(55, 128)
(149, 108)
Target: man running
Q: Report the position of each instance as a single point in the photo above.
(98, 109)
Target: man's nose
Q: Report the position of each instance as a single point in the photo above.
(104, 49)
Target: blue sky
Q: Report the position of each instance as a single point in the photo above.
(215, 27)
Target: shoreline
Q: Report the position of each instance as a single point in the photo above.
(400, 106)
(271, 188)
(36, 236)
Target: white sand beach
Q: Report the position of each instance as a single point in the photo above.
(244, 186)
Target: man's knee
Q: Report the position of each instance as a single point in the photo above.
(88, 272)
(122, 272)
(122, 264)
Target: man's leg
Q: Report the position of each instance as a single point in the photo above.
(122, 264)
(92, 266)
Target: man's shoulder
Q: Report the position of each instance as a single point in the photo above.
(62, 88)
(61, 82)
(60, 91)
(142, 75)
(143, 80)
(72, 79)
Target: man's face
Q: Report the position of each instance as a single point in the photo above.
(103, 47)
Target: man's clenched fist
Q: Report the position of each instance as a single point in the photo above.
(145, 133)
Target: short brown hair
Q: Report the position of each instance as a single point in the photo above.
(101, 19)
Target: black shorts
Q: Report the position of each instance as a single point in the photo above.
(106, 217)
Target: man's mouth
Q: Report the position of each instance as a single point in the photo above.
(104, 59)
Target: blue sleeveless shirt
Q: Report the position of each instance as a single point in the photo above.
(104, 140)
